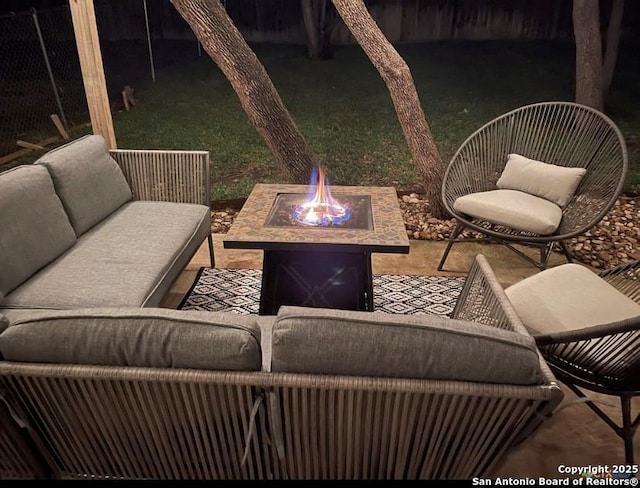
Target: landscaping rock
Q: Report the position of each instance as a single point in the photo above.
(613, 241)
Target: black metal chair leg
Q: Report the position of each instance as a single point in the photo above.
(545, 252)
(566, 251)
(628, 428)
(453, 237)
(211, 258)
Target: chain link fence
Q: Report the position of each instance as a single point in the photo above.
(27, 94)
(40, 75)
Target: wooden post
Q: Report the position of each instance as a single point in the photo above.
(28, 145)
(60, 126)
(86, 32)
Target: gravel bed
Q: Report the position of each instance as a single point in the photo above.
(613, 241)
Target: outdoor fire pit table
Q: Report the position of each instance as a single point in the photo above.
(324, 266)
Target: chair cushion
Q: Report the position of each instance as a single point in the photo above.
(568, 297)
(157, 338)
(511, 208)
(89, 182)
(34, 228)
(549, 181)
(323, 341)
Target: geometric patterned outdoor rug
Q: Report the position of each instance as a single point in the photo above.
(238, 291)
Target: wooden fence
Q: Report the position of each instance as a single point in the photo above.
(280, 21)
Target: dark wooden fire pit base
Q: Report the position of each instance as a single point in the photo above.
(340, 280)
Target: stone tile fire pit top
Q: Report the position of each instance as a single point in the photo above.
(253, 227)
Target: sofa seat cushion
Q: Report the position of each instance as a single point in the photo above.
(512, 208)
(130, 259)
(151, 337)
(34, 228)
(88, 181)
(339, 342)
(568, 297)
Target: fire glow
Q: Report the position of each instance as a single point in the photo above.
(321, 209)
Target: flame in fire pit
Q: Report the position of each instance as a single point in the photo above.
(321, 209)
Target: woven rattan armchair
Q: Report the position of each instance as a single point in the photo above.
(560, 133)
(601, 358)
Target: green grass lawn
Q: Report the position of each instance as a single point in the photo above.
(344, 111)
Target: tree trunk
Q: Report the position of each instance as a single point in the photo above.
(314, 16)
(586, 28)
(311, 29)
(395, 73)
(611, 48)
(323, 28)
(259, 98)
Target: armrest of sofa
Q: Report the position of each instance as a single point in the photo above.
(172, 176)
(483, 300)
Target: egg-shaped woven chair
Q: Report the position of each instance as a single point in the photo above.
(564, 134)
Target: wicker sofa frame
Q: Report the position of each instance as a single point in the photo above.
(154, 175)
(99, 422)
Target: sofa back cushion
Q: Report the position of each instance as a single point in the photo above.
(320, 341)
(34, 228)
(89, 182)
(147, 337)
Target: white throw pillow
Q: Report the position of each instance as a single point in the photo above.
(549, 181)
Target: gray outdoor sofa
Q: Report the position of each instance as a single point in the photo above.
(97, 382)
(88, 227)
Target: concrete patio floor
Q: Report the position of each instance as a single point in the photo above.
(573, 437)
